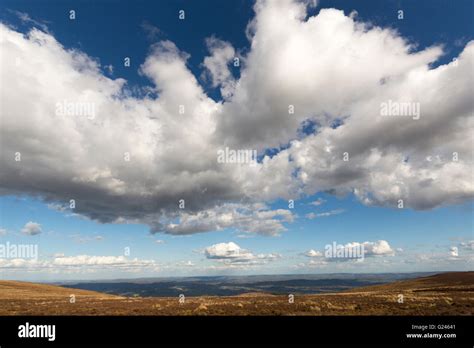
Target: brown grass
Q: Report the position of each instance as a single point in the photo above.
(444, 294)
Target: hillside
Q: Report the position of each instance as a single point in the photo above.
(441, 294)
(452, 281)
(16, 290)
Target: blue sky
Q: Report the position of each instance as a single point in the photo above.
(108, 31)
(111, 30)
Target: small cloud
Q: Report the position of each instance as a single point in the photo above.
(318, 202)
(245, 236)
(349, 251)
(453, 251)
(469, 245)
(109, 68)
(152, 32)
(232, 254)
(81, 239)
(185, 264)
(31, 228)
(3, 232)
(380, 247)
(317, 262)
(313, 253)
(312, 216)
(159, 241)
(26, 19)
(57, 207)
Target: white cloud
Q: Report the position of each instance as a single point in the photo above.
(26, 19)
(314, 253)
(227, 251)
(324, 214)
(81, 239)
(255, 218)
(222, 53)
(350, 66)
(353, 68)
(380, 247)
(318, 202)
(338, 259)
(232, 254)
(317, 263)
(185, 264)
(152, 31)
(78, 264)
(469, 245)
(31, 228)
(86, 260)
(377, 248)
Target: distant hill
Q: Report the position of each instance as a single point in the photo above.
(14, 290)
(452, 281)
(236, 285)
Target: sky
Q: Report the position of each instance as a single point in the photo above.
(123, 127)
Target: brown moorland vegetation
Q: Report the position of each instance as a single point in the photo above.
(442, 294)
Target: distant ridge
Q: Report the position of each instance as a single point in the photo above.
(443, 281)
(14, 290)
(237, 285)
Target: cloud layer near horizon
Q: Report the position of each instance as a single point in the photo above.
(330, 68)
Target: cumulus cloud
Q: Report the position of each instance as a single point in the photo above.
(377, 248)
(339, 252)
(78, 264)
(31, 228)
(217, 65)
(346, 256)
(232, 254)
(380, 247)
(469, 245)
(313, 253)
(293, 60)
(255, 218)
(330, 67)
